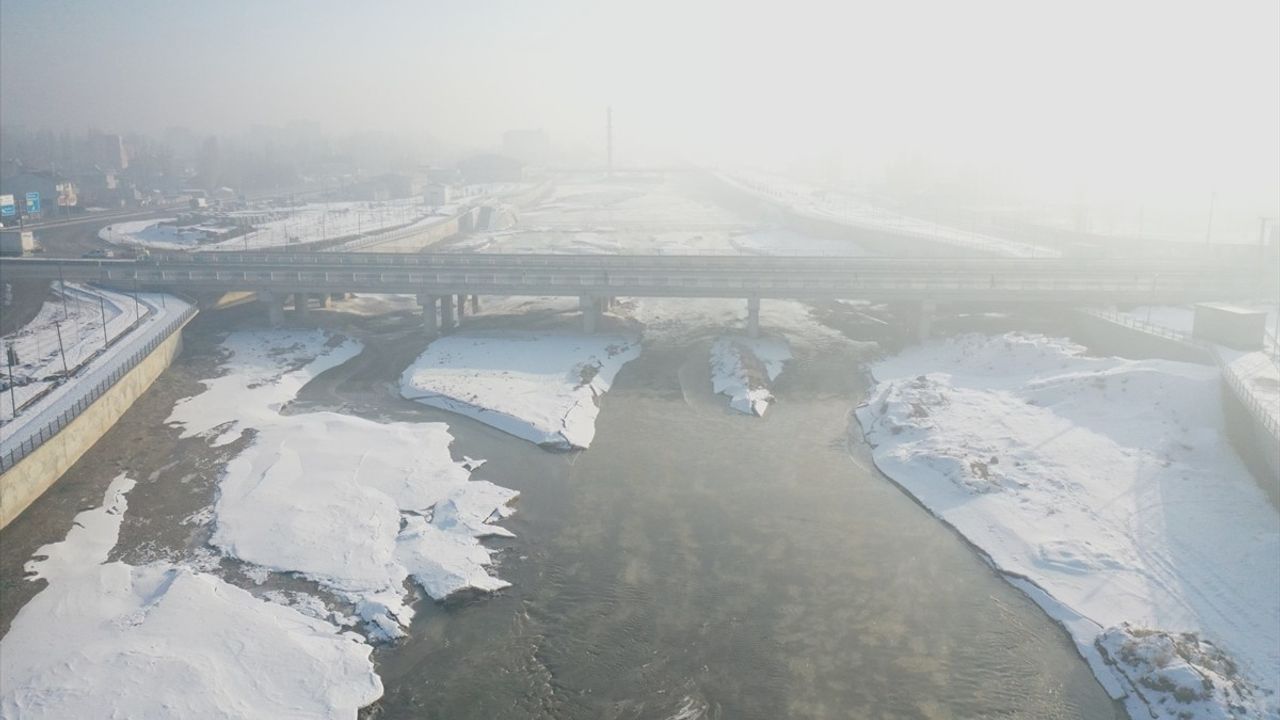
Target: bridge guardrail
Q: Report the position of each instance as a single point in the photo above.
(47, 428)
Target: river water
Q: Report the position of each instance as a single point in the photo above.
(696, 562)
(693, 563)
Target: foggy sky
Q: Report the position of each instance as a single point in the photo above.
(1145, 98)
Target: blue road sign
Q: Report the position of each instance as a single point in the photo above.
(33, 202)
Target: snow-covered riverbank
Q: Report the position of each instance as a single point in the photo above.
(108, 639)
(544, 387)
(1107, 490)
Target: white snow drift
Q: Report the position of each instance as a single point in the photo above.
(543, 387)
(354, 504)
(1105, 488)
(162, 641)
(744, 367)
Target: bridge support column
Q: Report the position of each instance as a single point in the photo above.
(462, 307)
(924, 326)
(430, 321)
(447, 320)
(275, 307)
(301, 307)
(590, 306)
(753, 316)
(475, 304)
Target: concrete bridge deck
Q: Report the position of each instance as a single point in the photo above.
(1075, 281)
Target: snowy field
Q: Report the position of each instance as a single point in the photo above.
(544, 387)
(745, 367)
(356, 505)
(309, 223)
(1106, 489)
(108, 639)
(653, 215)
(41, 393)
(825, 204)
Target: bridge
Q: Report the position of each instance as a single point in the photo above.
(437, 278)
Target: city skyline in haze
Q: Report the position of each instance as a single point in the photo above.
(1140, 103)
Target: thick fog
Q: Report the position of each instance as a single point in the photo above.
(1142, 108)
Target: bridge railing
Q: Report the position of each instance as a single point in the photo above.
(1150, 328)
(41, 429)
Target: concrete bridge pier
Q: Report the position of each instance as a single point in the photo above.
(447, 318)
(462, 307)
(475, 304)
(753, 316)
(430, 319)
(301, 307)
(275, 307)
(924, 323)
(591, 312)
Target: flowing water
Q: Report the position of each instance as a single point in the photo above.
(694, 563)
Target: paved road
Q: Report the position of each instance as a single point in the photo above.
(72, 237)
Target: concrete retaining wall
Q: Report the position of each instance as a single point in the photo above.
(31, 476)
(418, 241)
(1108, 338)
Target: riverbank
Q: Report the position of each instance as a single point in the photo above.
(1104, 488)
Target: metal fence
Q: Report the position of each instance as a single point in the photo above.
(1264, 415)
(46, 428)
(1129, 321)
(1251, 400)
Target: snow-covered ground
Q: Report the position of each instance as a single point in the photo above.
(42, 394)
(654, 215)
(744, 367)
(81, 327)
(356, 505)
(303, 224)
(1107, 490)
(108, 639)
(541, 386)
(847, 209)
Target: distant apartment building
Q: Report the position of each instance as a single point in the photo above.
(437, 194)
(107, 151)
(490, 168)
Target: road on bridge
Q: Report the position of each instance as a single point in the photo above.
(1081, 281)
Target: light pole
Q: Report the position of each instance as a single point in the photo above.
(58, 327)
(13, 401)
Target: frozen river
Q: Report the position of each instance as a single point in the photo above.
(695, 562)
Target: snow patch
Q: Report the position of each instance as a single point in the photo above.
(334, 497)
(543, 387)
(161, 641)
(744, 367)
